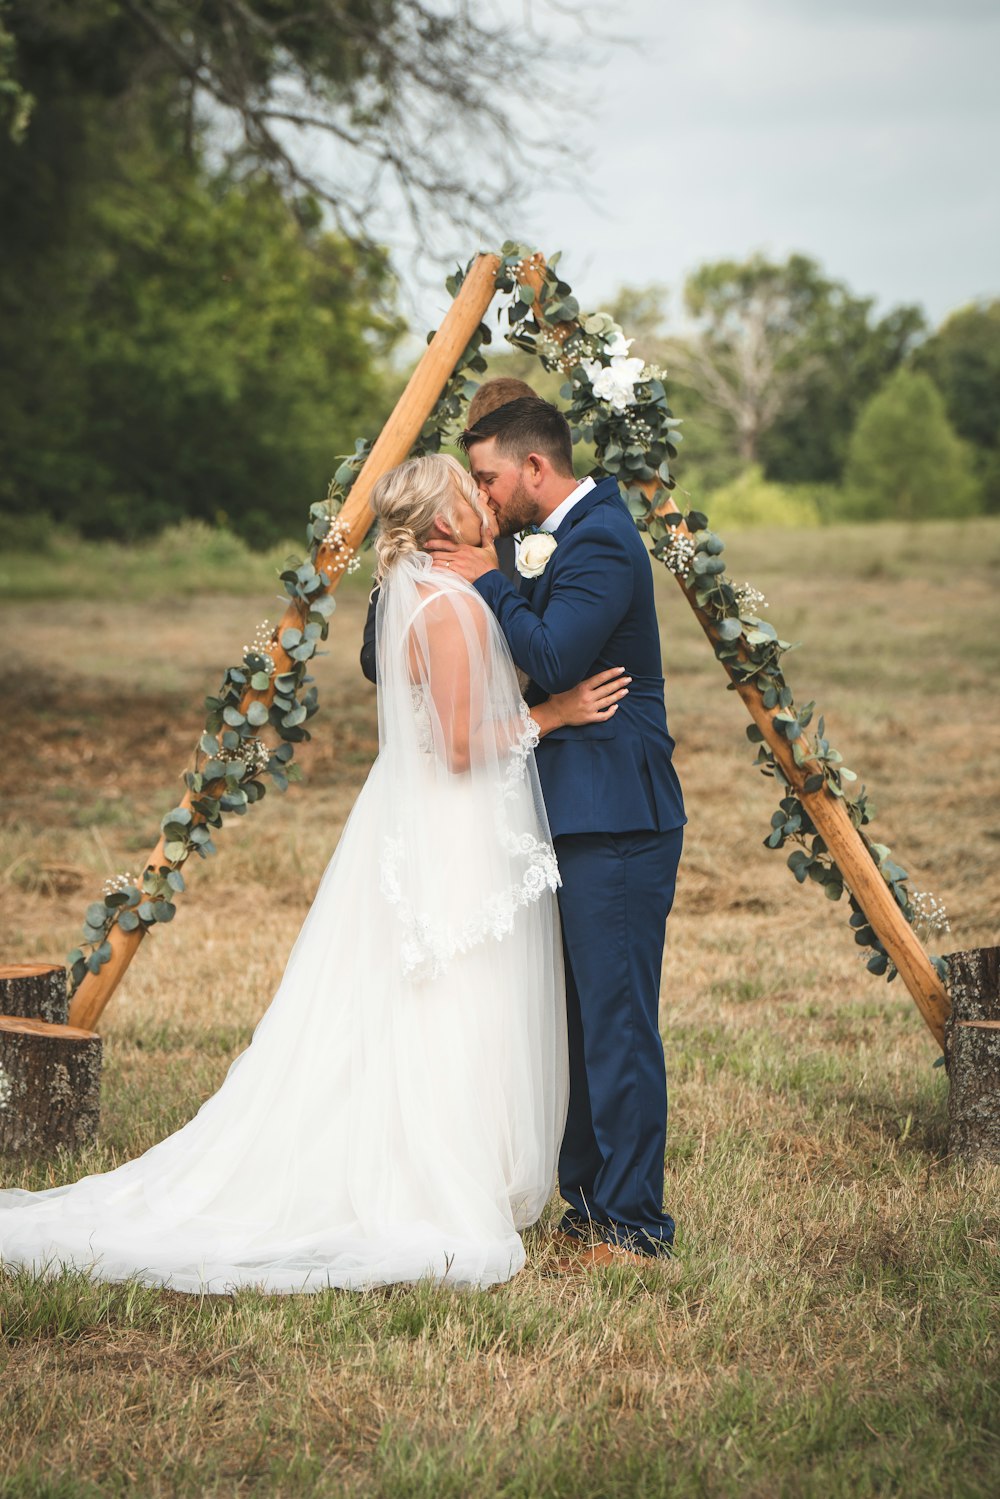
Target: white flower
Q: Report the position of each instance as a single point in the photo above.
(533, 554)
(617, 346)
(615, 382)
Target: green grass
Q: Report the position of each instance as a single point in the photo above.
(189, 558)
(830, 1325)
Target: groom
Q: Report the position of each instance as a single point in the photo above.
(613, 802)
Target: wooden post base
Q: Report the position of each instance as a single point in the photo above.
(36, 990)
(972, 1051)
(50, 1077)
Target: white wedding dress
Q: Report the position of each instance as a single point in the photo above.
(399, 1111)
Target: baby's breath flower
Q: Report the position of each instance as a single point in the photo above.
(677, 558)
(929, 915)
(262, 638)
(118, 882)
(254, 752)
(344, 559)
(750, 599)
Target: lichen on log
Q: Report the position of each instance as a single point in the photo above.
(35, 990)
(50, 1079)
(972, 1052)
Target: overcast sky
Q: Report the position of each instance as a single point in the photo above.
(863, 132)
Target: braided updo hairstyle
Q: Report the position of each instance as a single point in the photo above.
(408, 500)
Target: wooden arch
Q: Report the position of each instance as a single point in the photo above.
(832, 820)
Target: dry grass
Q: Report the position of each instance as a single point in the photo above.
(831, 1325)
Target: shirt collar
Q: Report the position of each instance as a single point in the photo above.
(554, 521)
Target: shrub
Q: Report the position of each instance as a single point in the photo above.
(905, 460)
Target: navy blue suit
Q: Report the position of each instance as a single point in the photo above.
(616, 813)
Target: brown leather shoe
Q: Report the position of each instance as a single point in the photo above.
(600, 1256)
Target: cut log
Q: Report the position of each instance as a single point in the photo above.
(972, 1051)
(50, 1077)
(36, 990)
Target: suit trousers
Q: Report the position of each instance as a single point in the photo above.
(617, 890)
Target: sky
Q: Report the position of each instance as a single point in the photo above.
(865, 133)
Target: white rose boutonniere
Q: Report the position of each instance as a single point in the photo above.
(533, 554)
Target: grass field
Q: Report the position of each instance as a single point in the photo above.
(830, 1325)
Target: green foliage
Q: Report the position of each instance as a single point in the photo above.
(846, 356)
(750, 500)
(905, 460)
(175, 341)
(16, 103)
(963, 360)
(781, 360)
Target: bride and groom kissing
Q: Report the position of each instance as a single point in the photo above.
(473, 997)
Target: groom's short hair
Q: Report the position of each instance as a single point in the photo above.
(527, 425)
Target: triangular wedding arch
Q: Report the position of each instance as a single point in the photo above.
(265, 690)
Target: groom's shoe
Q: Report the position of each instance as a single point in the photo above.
(600, 1256)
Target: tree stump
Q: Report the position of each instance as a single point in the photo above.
(35, 990)
(972, 1052)
(50, 1078)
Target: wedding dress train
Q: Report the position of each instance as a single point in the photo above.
(399, 1111)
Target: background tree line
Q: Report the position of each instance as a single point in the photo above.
(192, 326)
(194, 320)
(798, 393)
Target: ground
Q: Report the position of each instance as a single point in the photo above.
(829, 1326)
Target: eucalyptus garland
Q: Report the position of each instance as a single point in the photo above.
(619, 404)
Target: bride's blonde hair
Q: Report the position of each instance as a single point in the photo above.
(408, 500)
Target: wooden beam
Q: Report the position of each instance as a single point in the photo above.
(392, 447)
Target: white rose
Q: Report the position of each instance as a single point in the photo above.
(533, 554)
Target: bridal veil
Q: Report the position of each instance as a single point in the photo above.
(399, 1110)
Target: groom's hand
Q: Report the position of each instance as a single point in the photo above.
(468, 562)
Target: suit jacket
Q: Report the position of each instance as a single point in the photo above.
(505, 557)
(593, 608)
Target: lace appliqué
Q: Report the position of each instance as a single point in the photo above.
(422, 719)
(428, 944)
(525, 745)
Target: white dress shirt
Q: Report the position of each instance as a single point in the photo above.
(563, 509)
(559, 514)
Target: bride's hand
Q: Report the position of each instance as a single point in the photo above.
(593, 700)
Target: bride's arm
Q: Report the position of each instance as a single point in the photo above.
(591, 701)
(447, 659)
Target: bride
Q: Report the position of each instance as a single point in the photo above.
(399, 1111)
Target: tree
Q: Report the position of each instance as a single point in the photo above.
(174, 340)
(779, 362)
(394, 89)
(848, 355)
(905, 460)
(963, 360)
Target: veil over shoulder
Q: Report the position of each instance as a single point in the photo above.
(399, 1110)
